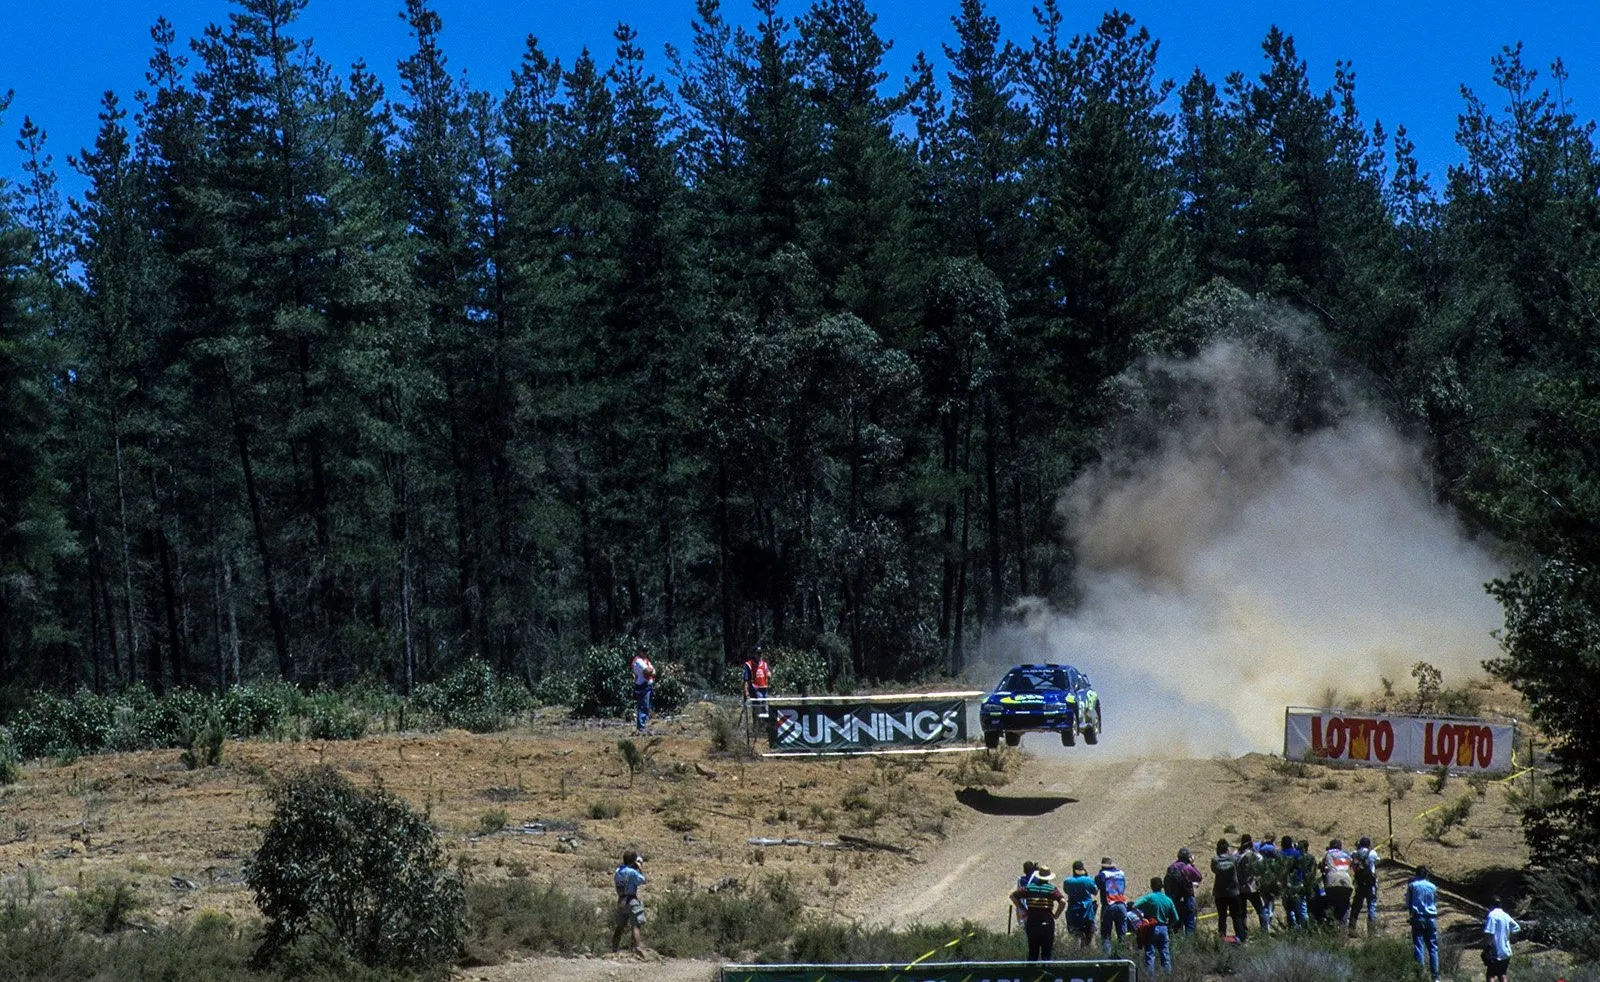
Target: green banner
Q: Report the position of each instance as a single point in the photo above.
(1099, 971)
(838, 724)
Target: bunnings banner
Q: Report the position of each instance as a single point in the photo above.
(1413, 742)
(1101, 971)
(866, 723)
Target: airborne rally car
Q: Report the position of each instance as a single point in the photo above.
(1047, 698)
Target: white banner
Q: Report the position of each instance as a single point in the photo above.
(1413, 742)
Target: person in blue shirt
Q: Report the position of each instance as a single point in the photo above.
(1422, 907)
(630, 909)
(1081, 891)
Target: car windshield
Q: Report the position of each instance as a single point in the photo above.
(1034, 680)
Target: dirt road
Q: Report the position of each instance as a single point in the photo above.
(1060, 809)
(619, 968)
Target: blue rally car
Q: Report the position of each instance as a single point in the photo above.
(1049, 698)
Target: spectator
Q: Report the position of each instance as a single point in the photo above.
(1422, 908)
(1295, 888)
(1179, 884)
(1080, 890)
(628, 878)
(644, 685)
(1226, 894)
(1158, 908)
(1112, 885)
(1337, 881)
(1039, 904)
(1028, 869)
(1316, 897)
(1498, 928)
(757, 684)
(1364, 866)
(1250, 881)
(1271, 876)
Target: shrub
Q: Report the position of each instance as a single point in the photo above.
(473, 698)
(259, 708)
(601, 810)
(10, 760)
(171, 720)
(203, 740)
(1292, 963)
(523, 916)
(1446, 817)
(726, 728)
(691, 923)
(358, 867)
(106, 906)
(601, 685)
(329, 717)
(853, 943)
(51, 726)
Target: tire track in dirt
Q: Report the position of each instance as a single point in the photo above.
(1058, 810)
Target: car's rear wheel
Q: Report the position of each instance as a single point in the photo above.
(1091, 734)
(991, 739)
(1069, 738)
(1013, 739)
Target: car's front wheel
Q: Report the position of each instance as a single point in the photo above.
(1013, 739)
(991, 739)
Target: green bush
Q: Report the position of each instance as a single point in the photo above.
(517, 916)
(169, 721)
(260, 708)
(600, 685)
(107, 906)
(690, 923)
(357, 866)
(473, 698)
(52, 726)
(10, 760)
(854, 943)
(329, 717)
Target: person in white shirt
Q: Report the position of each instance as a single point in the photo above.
(1498, 928)
(644, 684)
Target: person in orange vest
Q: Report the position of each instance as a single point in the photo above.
(757, 683)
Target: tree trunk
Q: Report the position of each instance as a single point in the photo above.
(280, 636)
(991, 468)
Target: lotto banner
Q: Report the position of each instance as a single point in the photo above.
(1097, 971)
(839, 724)
(1412, 742)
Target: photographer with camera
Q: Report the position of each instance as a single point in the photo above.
(630, 909)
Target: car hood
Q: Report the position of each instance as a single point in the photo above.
(1003, 698)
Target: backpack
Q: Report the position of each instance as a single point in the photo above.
(1366, 876)
(1226, 870)
(1176, 883)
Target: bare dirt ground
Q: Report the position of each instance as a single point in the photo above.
(525, 804)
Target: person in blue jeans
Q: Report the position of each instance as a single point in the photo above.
(1181, 879)
(644, 686)
(1158, 907)
(1112, 885)
(1422, 907)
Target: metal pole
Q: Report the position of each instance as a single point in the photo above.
(1390, 804)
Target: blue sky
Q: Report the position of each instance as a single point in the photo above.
(1411, 57)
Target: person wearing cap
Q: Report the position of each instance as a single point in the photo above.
(644, 684)
(1039, 904)
(1081, 890)
(1250, 881)
(630, 909)
(1498, 928)
(1422, 908)
(1158, 916)
(1179, 884)
(1112, 885)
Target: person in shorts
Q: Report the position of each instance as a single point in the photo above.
(628, 878)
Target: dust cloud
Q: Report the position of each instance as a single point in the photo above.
(1236, 556)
